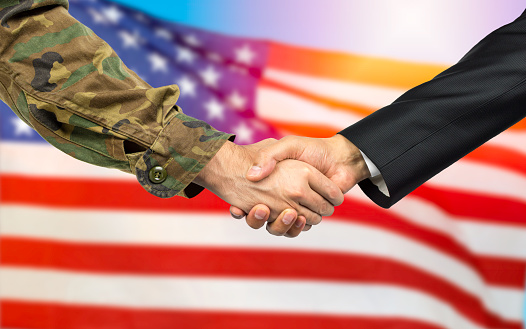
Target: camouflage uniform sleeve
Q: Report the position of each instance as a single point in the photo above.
(72, 88)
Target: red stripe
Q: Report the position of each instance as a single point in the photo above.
(30, 315)
(129, 195)
(98, 194)
(86, 194)
(237, 262)
(502, 271)
(500, 157)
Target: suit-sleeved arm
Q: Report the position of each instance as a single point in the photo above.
(435, 124)
(73, 89)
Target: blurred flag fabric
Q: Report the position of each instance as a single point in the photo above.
(86, 247)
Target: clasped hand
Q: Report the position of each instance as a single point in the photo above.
(287, 184)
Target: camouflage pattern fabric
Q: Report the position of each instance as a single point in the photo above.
(73, 89)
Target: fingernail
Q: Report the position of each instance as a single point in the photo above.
(260, 214)
(254, 171)
(236, 216)
(288, 218)
(298, 223)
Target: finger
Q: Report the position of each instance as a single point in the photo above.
(236, 212)
(268, 156)
(258, 216)
(315, 203)
(283, 223)
(306, 227)
(296, 228)
(322, 185)
(311, 217)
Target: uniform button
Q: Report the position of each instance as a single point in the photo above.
(157, 175)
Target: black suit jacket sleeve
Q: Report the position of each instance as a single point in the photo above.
(433, 125)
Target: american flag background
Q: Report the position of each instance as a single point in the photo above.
(86, 247)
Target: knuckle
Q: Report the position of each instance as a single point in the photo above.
(294, 192)
(314, 219)
(336, 196)
(323, 208)
(307, 170)
(302, 172)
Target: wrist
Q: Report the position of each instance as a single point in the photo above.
(228, 164)
(207, 177)
(350, 156)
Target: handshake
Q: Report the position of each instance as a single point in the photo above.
(288, 184)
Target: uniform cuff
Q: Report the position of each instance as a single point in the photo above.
(179, 153)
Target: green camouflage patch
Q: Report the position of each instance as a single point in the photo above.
(212, 136)
(78, 121)
(79, 74)
(39, 43)
(21, 104)
(185, 118)
(113, 68)
(10, 3)
(89, 139)
(173, 184)
(63, 3)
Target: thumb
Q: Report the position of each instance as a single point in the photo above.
(261, 170)
(269, 156)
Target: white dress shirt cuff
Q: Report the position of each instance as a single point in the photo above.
(376, 177)
(370, 165)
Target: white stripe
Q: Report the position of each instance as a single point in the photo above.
(495, 240)
(510, 139)
(215, 230)
(475, 177)
(273, 104)
(368, 95)
(237, 295)
(487, 239)
(42, 159)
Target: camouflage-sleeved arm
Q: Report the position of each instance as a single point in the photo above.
(72, 88)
